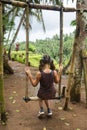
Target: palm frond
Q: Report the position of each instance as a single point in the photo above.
(73, 23)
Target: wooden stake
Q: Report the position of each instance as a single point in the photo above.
(27, 46)
(85, 72)
(2, 102)
(61, 43)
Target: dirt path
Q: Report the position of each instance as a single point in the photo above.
(23, 116)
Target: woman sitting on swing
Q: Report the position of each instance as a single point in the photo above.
(46, 76)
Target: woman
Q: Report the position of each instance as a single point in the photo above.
(46, 76)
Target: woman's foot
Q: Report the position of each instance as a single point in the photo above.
(49, 112)
(41, 112)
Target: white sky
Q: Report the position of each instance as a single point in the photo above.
(52, 24)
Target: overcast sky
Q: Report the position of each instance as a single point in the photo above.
(52, 24)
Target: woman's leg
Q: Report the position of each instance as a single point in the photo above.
(49, 111)
(41, 103)
(47, 102)
(41, 107)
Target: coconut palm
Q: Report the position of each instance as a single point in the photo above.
(10, 13)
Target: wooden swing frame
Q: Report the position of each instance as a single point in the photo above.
(28, 5)
(26, 98)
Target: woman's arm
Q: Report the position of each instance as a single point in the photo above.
(34, 81)
(57, 74)
(56, 77)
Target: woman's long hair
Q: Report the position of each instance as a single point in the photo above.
(46, 60)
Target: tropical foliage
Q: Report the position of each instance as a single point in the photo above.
(48, 46)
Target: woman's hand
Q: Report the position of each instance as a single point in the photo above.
(27, 71)
(60, 68)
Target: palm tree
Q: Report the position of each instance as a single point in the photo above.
(10, 10)
(17, 11)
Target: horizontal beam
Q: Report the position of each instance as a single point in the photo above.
(15, 3)
(39, 6)
(45, 7)
(27, 99)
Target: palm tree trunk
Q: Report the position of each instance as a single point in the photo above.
(80, 39)
(14, 38)
(2, 104)
(12, 19)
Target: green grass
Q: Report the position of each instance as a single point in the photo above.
(20, 56)
(34, 59)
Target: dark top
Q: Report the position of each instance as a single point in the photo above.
(47, 89)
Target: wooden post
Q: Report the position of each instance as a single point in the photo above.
(61, 43)
(70, 79)
(2, 102)
(84, 60)
(85, 76)
(27, 46)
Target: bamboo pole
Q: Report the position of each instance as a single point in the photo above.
(84, 60)
(39, 6)
(27, 46)
(2, 102)
(61, 43)
(85, 76)
(70, 79)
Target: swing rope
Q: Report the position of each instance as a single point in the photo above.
(26, 98)
(27, 44)
(61, 44)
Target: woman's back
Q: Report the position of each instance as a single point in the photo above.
(47, 79)
(46, 89)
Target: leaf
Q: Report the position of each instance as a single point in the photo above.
(62, 118)
(6, 113)
(60, 108)
(14, 101)
(17, 110)
(44, 128)
(14, 92)
(74, 115)
(10, 98)
(3, 123)
(70, 108)
(67, 124)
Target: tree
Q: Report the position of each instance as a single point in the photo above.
(79, 52)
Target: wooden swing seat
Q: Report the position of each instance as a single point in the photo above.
(27, 99)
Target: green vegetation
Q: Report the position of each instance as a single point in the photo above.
(48, 46)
